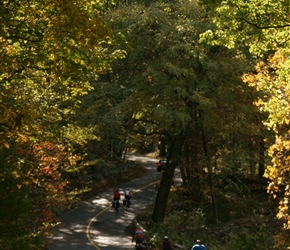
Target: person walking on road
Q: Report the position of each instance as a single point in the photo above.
(198, 246)
(117, 197)
(166, 243)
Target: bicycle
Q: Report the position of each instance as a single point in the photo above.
(127, 203)
(141, 246)
(116, 204)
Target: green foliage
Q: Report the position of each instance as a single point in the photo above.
(272, 77)
(175, 226)
(51, 52)
(169, 74)
(278, 174)
(176, 86)
(54, 92)
(261, 25)
(32, 192)
(50, 59)
(244, 225)
(98, 113)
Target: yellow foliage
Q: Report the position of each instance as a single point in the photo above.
(278, 174)
(273, 79)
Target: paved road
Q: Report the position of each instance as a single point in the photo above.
(95, 225)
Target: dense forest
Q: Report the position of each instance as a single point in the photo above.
(205, 84)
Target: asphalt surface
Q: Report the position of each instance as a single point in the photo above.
(94, 224)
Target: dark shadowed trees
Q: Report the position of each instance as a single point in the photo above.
(188, 92)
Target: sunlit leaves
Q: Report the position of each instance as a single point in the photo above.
(263, 26)
(273, 78)
(51, 52)
(278, 174)
(35, 182)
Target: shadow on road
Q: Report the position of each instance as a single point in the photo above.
(94, 224)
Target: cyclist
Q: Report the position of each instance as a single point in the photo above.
(117, 197)
(127, 197)
(166, 243)
(138, 235)
(198, 246)
(141, 246)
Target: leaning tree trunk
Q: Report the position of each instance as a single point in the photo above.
(166, 180)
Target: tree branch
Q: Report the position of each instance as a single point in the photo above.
(261, 27)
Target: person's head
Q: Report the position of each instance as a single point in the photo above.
(117, 190)
(198, 242)
(165, 237)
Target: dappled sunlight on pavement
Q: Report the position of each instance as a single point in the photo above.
(101, 202)
(110, 241)
(94, 224)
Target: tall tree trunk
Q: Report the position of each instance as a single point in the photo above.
(175, 151)
(162, 148)
(261, 159)
(184, 167)
(183, 175)
(210, 174)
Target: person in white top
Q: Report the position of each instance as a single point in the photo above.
(127, 196)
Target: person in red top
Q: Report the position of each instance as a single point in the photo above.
(117, 197)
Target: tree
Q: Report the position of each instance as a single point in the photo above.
(188, 92)
(272, 77)
(264, 28)
(51, 52)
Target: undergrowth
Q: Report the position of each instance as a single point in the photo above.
(246, 221)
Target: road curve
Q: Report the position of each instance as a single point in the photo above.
(95, 225)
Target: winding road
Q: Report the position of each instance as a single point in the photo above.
(95, 225)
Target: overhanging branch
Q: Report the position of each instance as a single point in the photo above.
(261, 27)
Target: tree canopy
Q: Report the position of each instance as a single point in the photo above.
(83, 80)
(188, 93)
(263, 26)
(51, 52)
